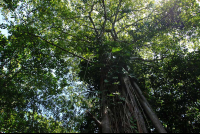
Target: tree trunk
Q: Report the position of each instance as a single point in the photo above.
(133, 105)
(105, 123)
(148, 109)
(117, 118)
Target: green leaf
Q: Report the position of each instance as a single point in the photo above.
(111, 94)
(116, 49)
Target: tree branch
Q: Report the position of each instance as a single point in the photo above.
(135, 23)
(145, 104)
(60, 47)
(98, 123)
(117, 12)
(104, 23)
(92, 20)
(141, 59)
(113, 24)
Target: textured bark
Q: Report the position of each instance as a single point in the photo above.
(137, 113)
(156, 122)
(105, 123)
(117, 118)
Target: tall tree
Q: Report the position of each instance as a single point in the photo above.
(114, 41)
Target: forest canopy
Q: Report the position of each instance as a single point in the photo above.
(120, 66)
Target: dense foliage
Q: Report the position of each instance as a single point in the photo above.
(63, 63)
